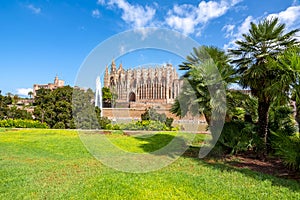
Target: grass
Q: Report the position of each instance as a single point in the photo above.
(54, 164)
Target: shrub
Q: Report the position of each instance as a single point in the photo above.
(22, 123)
(287, 148)
(148, 125)
(103, 121)
(112, 127)
(281, 120)
(238, 136)
(169, 122)
(59, 125)
(151, 114)
(108, 126)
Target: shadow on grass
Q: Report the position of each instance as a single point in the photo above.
(219, 165)
(155, 143)
(163, 144)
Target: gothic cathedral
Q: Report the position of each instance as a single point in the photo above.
(143, 86)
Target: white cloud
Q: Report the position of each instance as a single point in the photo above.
(187, 18)
(245, 26)
(234, 2)
(229, 30)
(183, 24)
(96, 13)
(290, 16)
(23, 91)
(234, 36)
(101, 2)
(34, 9)
(135, 15)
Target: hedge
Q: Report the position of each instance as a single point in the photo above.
(22, 123)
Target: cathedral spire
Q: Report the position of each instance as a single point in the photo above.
(120, 70)
(106, 70)
(106, 77)
(113, 66)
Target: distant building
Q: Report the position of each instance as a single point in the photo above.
(57, 83)
(143, 87)
(244, 91)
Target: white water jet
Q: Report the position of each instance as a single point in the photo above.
(98, 97)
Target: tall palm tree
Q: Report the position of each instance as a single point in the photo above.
(208, 73)
(264, 42)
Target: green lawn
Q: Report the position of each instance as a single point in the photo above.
(54, 164)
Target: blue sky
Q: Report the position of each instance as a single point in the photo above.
(42, 39)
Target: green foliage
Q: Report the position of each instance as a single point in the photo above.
(107, 97)
(59, 125)
(85, 114)
(237, 113)
(169, 121)
(16, 113)
(103, 121)
(281, 120)
(152, 114)
(22, 123)
(147, 125)
(12, 112)
(238, 136)
(152, 120)
(264, 66)
(288, 148)
(207, 69)
(4, 102)
(240, 104)
(54, 106)
(113, 127)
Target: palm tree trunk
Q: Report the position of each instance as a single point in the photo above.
(263, 121)
(297, 115)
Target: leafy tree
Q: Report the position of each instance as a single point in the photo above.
(43, 105)
(254, 58)
(16, 113)
(106, 97)
(54, 106)
(4, 102)
(288, 65)
(86, 116)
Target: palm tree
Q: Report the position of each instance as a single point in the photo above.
(288, 66)
(208, 73)
(30, 93)
(9, 94)
(264, 42)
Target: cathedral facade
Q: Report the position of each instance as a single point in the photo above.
(142, 86)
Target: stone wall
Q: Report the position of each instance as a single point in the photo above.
(129, 114)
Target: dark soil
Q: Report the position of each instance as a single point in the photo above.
(272, 166)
